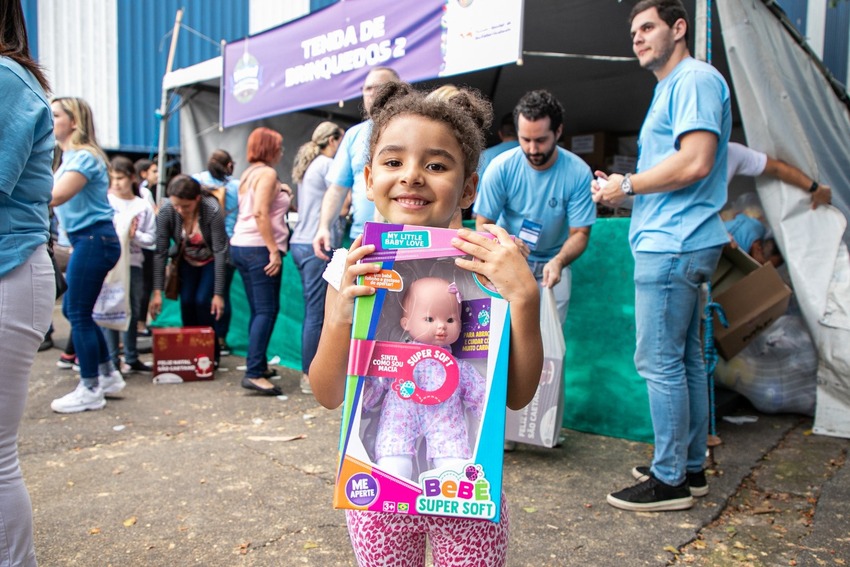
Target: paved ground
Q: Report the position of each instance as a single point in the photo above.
(210, 474)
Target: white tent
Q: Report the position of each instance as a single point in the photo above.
(790, 111)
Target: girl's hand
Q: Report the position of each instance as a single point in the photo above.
(217, 306)
(274, 265)
(155, 305)
(343, 312)
(501, 261)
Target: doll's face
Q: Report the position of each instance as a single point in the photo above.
(431, 312)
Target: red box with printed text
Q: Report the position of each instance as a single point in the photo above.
(183, 354)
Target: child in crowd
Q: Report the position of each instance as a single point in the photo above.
(127, 203)
(422, 170)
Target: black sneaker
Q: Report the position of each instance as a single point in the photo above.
(136, 366)
(696, 480)
(652, 495)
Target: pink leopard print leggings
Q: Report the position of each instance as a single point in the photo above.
(398, 540)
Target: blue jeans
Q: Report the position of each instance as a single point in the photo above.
(130, 336)
(263, 294)
(96, 251)
(311, 268)
(197, 286)
(669, 356)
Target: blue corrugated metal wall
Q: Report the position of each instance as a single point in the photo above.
(796, 10)
(144, 39)
(836, 38)
(30, 8)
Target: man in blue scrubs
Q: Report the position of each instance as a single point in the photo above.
(676, 236)
(540, 193)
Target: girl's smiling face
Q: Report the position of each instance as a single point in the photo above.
(416, 173)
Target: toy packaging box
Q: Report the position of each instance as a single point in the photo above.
(183, 354)
(423, 418)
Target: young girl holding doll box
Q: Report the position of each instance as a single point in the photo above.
(431, 316)
(422, 170)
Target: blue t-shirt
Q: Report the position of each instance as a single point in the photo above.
(90, 205)
(488, 154)
(26, 179)
(231, 197)
(347, 171)
(745, 230)
(557, 198)
(694, 96)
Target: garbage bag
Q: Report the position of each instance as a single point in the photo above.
(777, 372)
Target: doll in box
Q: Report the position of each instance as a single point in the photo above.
(431, 315)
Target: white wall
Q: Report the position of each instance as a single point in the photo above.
(265, 14)
(78, 46)
(816, 25)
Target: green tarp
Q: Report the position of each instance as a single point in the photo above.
(603, 393)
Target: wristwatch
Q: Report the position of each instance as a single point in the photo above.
(626, 185)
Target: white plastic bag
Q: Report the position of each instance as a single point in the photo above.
(112, 308)
(539, 423)
(777, 372)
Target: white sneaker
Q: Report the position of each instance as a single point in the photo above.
(112, 384)
(305, 385)
(81, 399)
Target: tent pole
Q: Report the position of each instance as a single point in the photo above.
(701, 31)
(163, 110)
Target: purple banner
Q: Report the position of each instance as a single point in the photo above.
(324, 58)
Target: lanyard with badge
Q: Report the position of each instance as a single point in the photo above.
(529, 233)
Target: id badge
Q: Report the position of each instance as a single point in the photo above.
(529, 233)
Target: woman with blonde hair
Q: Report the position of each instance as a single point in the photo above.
(79, 198)
(311, 165)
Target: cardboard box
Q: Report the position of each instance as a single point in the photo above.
(423, 421)
(183, 354)
(539, 423)
(752, 295)
(593, 148)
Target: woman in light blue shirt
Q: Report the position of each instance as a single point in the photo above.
(79, 200)
(27, 290)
